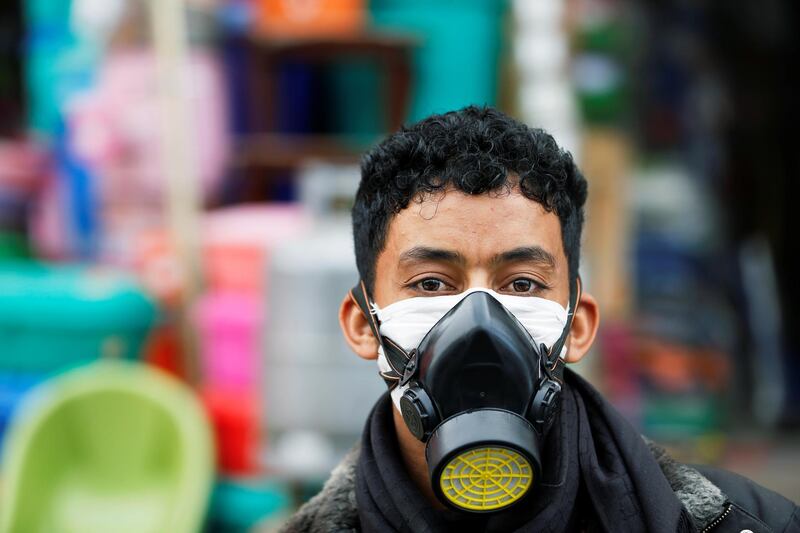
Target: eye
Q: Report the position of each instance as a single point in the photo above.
(523, 286)
(430, 285)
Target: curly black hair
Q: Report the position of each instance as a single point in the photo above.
(476, 150)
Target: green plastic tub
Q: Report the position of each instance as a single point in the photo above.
(55, 317)
(110, 447)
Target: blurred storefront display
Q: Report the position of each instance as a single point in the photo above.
(688, 246)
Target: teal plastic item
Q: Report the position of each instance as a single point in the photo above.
(46, 13)
(457, 61)
(55, 317)
(238, 505)
(58, 63)
(356, 109)
(110, 447)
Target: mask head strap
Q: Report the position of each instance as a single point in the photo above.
(555, 352)
(395, 355)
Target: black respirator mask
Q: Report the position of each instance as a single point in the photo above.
(481, 394)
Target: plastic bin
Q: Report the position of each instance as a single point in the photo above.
(108, 447)
(53, 317)
(311, 377)
(240, 504)
(310, 17)
(235, 417)
(230, 326)
(13, 388)
(457, 61)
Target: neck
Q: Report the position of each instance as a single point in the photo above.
(413, 453)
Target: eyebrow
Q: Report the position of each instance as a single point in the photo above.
(424, 253)
(532, 254)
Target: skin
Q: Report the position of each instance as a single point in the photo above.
(445, 244)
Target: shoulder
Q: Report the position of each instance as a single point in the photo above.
(775, 511)
(718, 500)
(334, 508)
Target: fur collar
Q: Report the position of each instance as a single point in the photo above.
(334, 508)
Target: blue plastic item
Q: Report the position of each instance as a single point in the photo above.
(12, 389)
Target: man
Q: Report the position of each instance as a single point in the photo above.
(467, 232)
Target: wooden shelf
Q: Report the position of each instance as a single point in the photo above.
(391, 52)
(322, 47)
(271, 150)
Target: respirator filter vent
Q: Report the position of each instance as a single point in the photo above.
(486, 478)
(483, 460)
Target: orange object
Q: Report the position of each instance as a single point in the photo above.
(310, 18)
(234, 266)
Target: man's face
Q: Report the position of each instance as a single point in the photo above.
(450, 242)
(447, 243)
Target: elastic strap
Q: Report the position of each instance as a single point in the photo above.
(575, 294)
(395, 355)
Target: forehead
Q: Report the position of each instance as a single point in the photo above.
(477, 226)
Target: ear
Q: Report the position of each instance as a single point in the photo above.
(356, 329)
(584, 328)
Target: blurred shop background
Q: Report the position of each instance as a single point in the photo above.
(175, 185)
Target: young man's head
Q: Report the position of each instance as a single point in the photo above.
(467, 199)
(475, 151)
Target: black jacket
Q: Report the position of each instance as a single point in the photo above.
(746, 505)
(750, 506)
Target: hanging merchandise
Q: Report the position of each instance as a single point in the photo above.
(60, 63)
(95, 20)
(24, 167)
(545, 93)
(115, 126)
(599, 66)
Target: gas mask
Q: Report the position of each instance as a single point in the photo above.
(477, 377)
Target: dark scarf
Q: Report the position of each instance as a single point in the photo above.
(597, 473)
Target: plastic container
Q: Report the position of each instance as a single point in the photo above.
(238, 242)
(235, 417)
(290, 18)
(457, 61)
(53, 317)
(230, 326)
(240, 504)
(58, 62)
(13, 388)
(312, 380)
(109, 447)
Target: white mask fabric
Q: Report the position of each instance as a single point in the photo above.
(407, 321)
